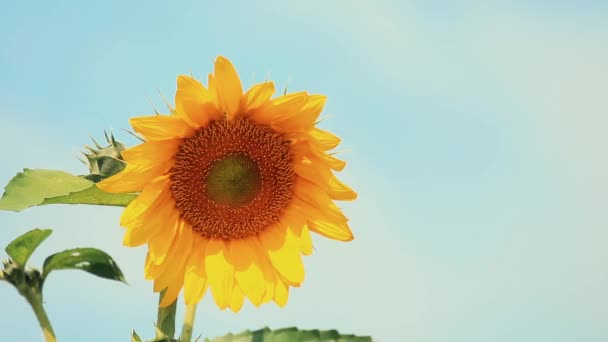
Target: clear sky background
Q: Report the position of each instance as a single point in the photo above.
(475, 133)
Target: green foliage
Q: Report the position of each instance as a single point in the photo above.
(290, 335)
(32, 187)
(29, 281)
(166, 317)
(92, 195)
(23, 246)
(41, 187)
(91, 260)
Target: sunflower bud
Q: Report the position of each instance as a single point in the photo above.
(104, 162)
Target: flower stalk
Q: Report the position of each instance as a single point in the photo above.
(35, 300)
(29, 284)
(189, 316)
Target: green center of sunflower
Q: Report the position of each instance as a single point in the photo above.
(234, 180)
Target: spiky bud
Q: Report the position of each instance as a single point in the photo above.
(104, 161)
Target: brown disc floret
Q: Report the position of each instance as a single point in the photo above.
(232, 179)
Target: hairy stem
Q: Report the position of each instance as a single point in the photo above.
(35, 300)
(188, 323)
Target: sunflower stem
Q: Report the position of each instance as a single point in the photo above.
(29, 284)
(35, 300)
(165, 323)
(188, 323)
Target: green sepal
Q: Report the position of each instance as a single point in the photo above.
(135, 337)
(106, 167)
(105, 161)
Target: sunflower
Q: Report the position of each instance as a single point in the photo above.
(230, 186)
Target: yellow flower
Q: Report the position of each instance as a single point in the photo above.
(231, 185)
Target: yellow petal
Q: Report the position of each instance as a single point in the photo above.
(134, 177)
(194, 289)
(296, 223)
(304, 118)
(148, 197)
(258, 95)
(172, 278)
(173, 266)
(333, 230)
(237, 299)
(323, 139)
(305, 241)
(213, 91)
(324, 222)
(317, 198)
(309, 168)
(269, 272)
(161, 127)
(149, 267)
(220, 272)
(158, 248)
(229, 90)
(333, 162)
(194, 103)
(197, 261)
(151, 152)
(151, 270)
(281, 293)
(340, 191)
(269, 291)
(247, 270)
(308, 210)
(283, 250)
(157, 217)
(303, 149)
(286, 105)
(313, 108)
(195, 281)
(171, 294)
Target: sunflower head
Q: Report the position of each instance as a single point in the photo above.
(230, 186)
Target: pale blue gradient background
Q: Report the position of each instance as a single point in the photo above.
(475, 133)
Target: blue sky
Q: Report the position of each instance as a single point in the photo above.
(474, 131)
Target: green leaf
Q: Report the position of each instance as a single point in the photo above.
(290, 335)
(31, 187)
(91, 260)
(92, 195)
(166, 317)
(42, 187)
(22, 247)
